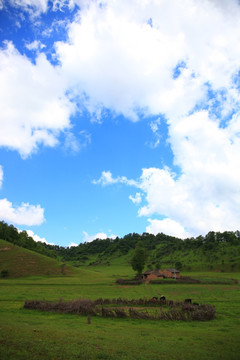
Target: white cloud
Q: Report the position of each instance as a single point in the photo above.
(122, 63)
(107, 179)
(37, 238)
(152, 57)
(116, 58)
(34, 108)
(154, 126)
(206, 194)
(169, 67)
(73, 244)
(100, 235)
(25, 214)
(36, 8)
(167, 226)
(137, 199)
(33, 7)
(1, 176)
(35, 45)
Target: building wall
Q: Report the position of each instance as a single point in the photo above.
(169, 274)
(151, 277)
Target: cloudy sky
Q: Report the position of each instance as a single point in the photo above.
(119, 116)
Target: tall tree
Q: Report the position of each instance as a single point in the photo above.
(139, 258)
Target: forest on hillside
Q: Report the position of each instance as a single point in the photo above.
(160, 247)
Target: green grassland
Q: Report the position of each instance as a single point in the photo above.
(31, 334)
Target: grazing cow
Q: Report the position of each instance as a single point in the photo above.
(154, 298)
(187, 301)
(196, 304)
(162, 298)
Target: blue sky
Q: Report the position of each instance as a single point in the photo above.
(119, 117)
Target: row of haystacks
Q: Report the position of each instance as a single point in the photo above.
(175, 310)
(80, 306)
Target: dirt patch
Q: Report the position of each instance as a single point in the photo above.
(5, 249)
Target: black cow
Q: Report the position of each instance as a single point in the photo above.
(187, 301)
(162, 298)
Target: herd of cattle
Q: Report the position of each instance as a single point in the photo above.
(163, 298)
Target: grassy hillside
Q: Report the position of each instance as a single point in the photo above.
(223, 257)
(22, 262)
(213, 252)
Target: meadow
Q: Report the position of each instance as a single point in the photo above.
(31, 334)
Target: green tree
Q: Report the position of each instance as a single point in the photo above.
(178, 265)
(139, 258)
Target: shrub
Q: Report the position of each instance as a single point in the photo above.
(4, 273)
(129, 281)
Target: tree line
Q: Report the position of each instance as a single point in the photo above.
(108, 247)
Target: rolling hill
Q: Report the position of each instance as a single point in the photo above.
(213, 252)
(23, 262)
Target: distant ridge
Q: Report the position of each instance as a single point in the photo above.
(215, 251)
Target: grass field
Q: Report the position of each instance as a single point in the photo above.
(31, 334)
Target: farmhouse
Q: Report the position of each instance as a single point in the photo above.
(160, 274)
(171, 273)
(152, 274)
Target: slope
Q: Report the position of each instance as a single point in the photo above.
(23, 262)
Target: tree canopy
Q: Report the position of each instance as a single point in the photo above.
(139, 258)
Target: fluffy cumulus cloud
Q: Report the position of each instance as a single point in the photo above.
(186, 68)
(166, 226)
(25, 214)
(100, 235)
(151, 57)
(72, 244)
(107, 179)
(37, 237)
(132, 57)
(175, 58)
(206, 194)
(34, 107)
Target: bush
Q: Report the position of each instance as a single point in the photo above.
(129, 281)
(4, 273)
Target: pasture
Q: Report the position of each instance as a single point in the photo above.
(31, 334)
